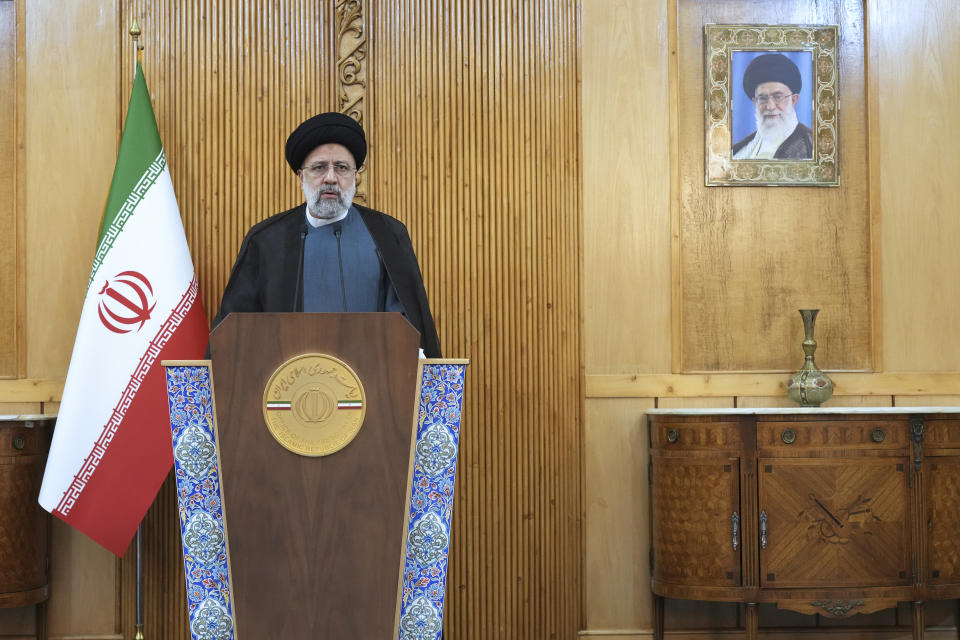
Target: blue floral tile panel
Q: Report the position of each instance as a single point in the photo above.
(209, 590)
(439, 413)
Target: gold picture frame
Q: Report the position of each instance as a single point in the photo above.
(809, 157)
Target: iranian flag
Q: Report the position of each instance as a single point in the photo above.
(111, 447)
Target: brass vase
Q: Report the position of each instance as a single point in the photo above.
(809, 387)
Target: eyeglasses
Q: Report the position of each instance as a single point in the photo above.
(778, 98)
(320, 169)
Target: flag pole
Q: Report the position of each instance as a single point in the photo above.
(138, 635)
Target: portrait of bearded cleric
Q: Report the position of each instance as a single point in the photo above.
(772, 115)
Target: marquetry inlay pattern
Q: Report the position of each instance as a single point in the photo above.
(943, 434)
(707, 435)
(834, 522)
(694, 545)
(943, 513)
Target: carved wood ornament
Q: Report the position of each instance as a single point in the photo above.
(351, 43)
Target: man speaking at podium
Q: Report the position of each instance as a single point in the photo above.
(328, 254)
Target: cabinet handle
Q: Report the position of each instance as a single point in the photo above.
(672, 436)
(763, 529)
(735, 526)
(878, 435)
(19, 442)
(789, 436)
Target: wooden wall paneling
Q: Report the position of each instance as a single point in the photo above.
(70, 102)
(834, 401)
(31, 390)
(66, 112)
(871, 66)
(474, 145)
(766, 384)
(20, 408)
(697, 403)
(83, 587)
(627, 178)
(927, 401)
(676, 270)
(10, 251)
(616, 564)
(751, 256)
(20, 194)
(918, 82)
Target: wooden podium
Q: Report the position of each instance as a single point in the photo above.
(318, 545)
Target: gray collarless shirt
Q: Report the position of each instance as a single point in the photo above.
(365, 286)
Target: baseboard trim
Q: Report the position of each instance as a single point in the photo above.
(819, 633)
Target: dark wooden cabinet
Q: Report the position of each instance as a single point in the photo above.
(829, 511)
(24, 525)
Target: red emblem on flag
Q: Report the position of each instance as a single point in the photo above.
(126, 302)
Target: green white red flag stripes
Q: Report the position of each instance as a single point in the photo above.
(111, 447)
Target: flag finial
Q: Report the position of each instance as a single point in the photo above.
(135, 34)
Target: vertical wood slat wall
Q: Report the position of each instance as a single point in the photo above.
(475, 143)
(473, 122)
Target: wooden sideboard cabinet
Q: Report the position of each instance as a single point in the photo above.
(833, 511)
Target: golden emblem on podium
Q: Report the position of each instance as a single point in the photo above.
(314, 404)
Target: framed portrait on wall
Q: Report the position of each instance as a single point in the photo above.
(771, 96)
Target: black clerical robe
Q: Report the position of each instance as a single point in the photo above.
(265, 275)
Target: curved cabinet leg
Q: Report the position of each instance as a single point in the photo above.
(657, 617)
(917, 620)
(751, 621)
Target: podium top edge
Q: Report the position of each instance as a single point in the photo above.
(184, 363)
(206, 363)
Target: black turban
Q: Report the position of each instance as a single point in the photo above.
(323, 129)
(771, 67)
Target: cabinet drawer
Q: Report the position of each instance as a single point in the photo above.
(942, 434)
(17, 439)
(776, 437)
(688, 436)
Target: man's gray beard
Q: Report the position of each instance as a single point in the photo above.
(326, 209)
(777, 128)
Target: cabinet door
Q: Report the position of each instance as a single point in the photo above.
(841, 522)
(693, 501)
(943, 519)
